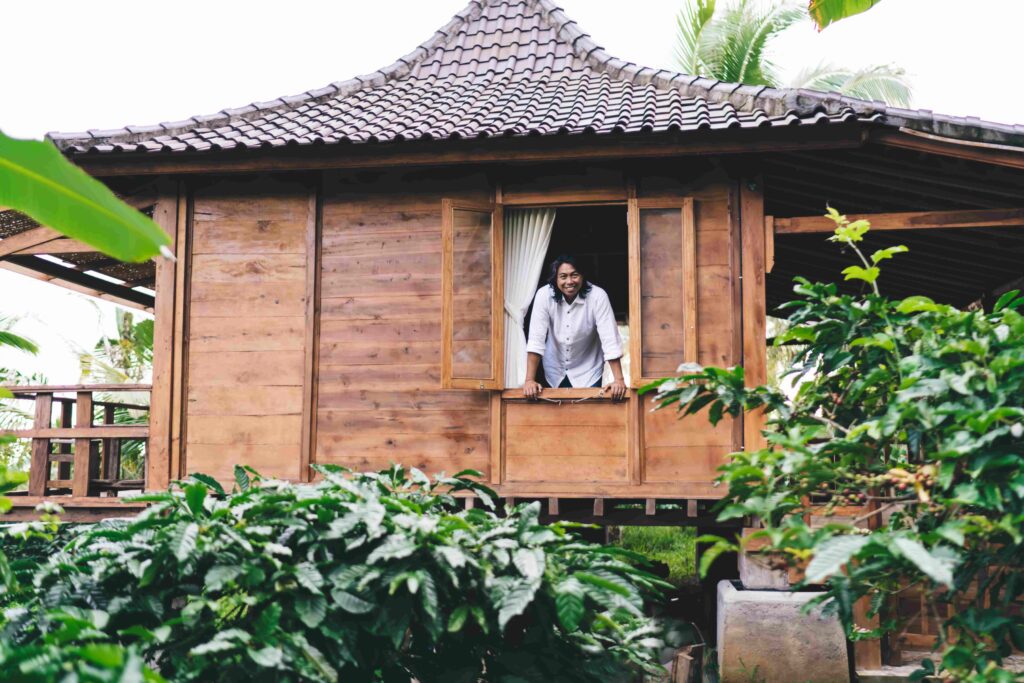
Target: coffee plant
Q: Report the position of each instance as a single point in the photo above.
(913, 410)
(357, 577)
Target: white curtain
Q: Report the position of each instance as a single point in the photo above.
(527, 235)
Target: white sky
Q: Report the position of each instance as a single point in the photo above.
(75, 65)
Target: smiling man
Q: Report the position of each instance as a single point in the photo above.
(573, 329)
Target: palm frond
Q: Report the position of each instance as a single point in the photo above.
(745, 35)
(16, 341)
(887, 83)
(824, 76)
(693, 21)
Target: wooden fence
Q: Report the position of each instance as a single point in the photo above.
(76, 444)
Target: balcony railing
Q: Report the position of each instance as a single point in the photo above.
(79, 435)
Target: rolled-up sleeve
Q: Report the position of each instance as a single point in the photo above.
(607, 330)
(539, 322)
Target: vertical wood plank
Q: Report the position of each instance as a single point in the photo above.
(497, 455)
(447, 289)
(66, 412)
(755, 358)
(158, 450)
(867, 654)
(689, 282)
(498, 296)
(179, 375)
(553, 507)
(314, 231)
(39, 469)
(83, 465)
(635, 346)
(634, 438)
(736, 291)
(651, 507)
(599, 507)
(108, 444)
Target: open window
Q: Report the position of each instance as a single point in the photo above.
(663, 287)
(472, 352)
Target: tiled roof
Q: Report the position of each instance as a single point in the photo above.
(511, 68)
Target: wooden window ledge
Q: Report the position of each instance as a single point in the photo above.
(588, 393)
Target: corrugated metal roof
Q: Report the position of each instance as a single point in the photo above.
(512, 68)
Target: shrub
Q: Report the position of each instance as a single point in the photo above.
(914, 408)
(367, 577)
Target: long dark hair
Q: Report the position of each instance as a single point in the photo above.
(559, 261)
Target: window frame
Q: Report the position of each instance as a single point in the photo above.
(688, 263)
(496, 210)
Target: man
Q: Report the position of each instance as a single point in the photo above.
(573, 329)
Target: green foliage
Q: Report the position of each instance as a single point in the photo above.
(732, 42)
(38, 181)
(367, 577)
(674, 546)
(825, 12)
(914, 407)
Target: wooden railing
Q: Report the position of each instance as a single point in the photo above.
(78, 456)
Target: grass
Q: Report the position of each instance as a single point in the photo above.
(669, 544)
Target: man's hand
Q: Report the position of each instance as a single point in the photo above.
(531, 389)
(618, 389)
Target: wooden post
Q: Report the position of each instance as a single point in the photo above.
(111, 449)
(755, 356)
(83, 465)
(158, 450)
(651, 507)
(39, 469)
(64, 468)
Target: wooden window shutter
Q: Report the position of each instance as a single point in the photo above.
(662, 287)
(472, 317)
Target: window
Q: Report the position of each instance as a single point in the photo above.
(643, 255)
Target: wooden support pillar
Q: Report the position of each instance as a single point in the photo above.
(755, 354)
(39, 469)
(691, 508)
(66, 416)
(651, 507)
(599, 507)
(111, 449)
(83, 464)
(161, 416)
(553, 507)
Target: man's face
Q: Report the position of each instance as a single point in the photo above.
(569, 281)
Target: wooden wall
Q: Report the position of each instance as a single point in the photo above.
(687, 452)
(247, 327)
(379, 397)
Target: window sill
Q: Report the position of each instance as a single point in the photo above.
(590, 393)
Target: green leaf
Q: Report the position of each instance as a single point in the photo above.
(917, 304)
(312, 609)
(220, 575)
(529, 562)
(185, 542)
(887, 253)
(242, 478)
(268, 657)
(106, 655)
(309, 577)
(832, 555)
(350, 603)
(868, 275)
(38, 181)
(195, 494)
(938, 567)
(1005, 300)
(209, 481)
(458, 618)
(826, 12)
(569, 603)
(515, 601)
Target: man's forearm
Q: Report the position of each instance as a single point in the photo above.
(532, 363)
(616, 366)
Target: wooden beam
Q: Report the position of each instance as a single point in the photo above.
(314, 229)
(908, 220)
(18, 389)
(73, 286)
(755, 356)
(500, 150)
(158, 453)
(26, 240)
(999, 155)
(769, 243)
(80, 432)
(63, 245)
(81, 469)
(39, 469)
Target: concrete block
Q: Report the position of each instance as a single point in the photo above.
(764, 636)
(756, 574)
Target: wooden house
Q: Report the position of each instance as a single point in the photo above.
(354, 263)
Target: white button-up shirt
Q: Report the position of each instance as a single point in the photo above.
(575, 339)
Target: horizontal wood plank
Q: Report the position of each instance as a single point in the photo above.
(334, 398)
(240, 369)
(908, 220)
(247, 334)
(399, 421)
(245, 400)
(253, 430)
(556, 468)
(566, 440)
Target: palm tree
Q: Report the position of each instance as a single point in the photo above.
(14, 454)
(733, 45)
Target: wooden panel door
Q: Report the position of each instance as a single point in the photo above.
(663, 287)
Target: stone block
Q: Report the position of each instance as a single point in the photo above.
(765, 636)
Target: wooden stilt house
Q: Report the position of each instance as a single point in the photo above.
(355, 263)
